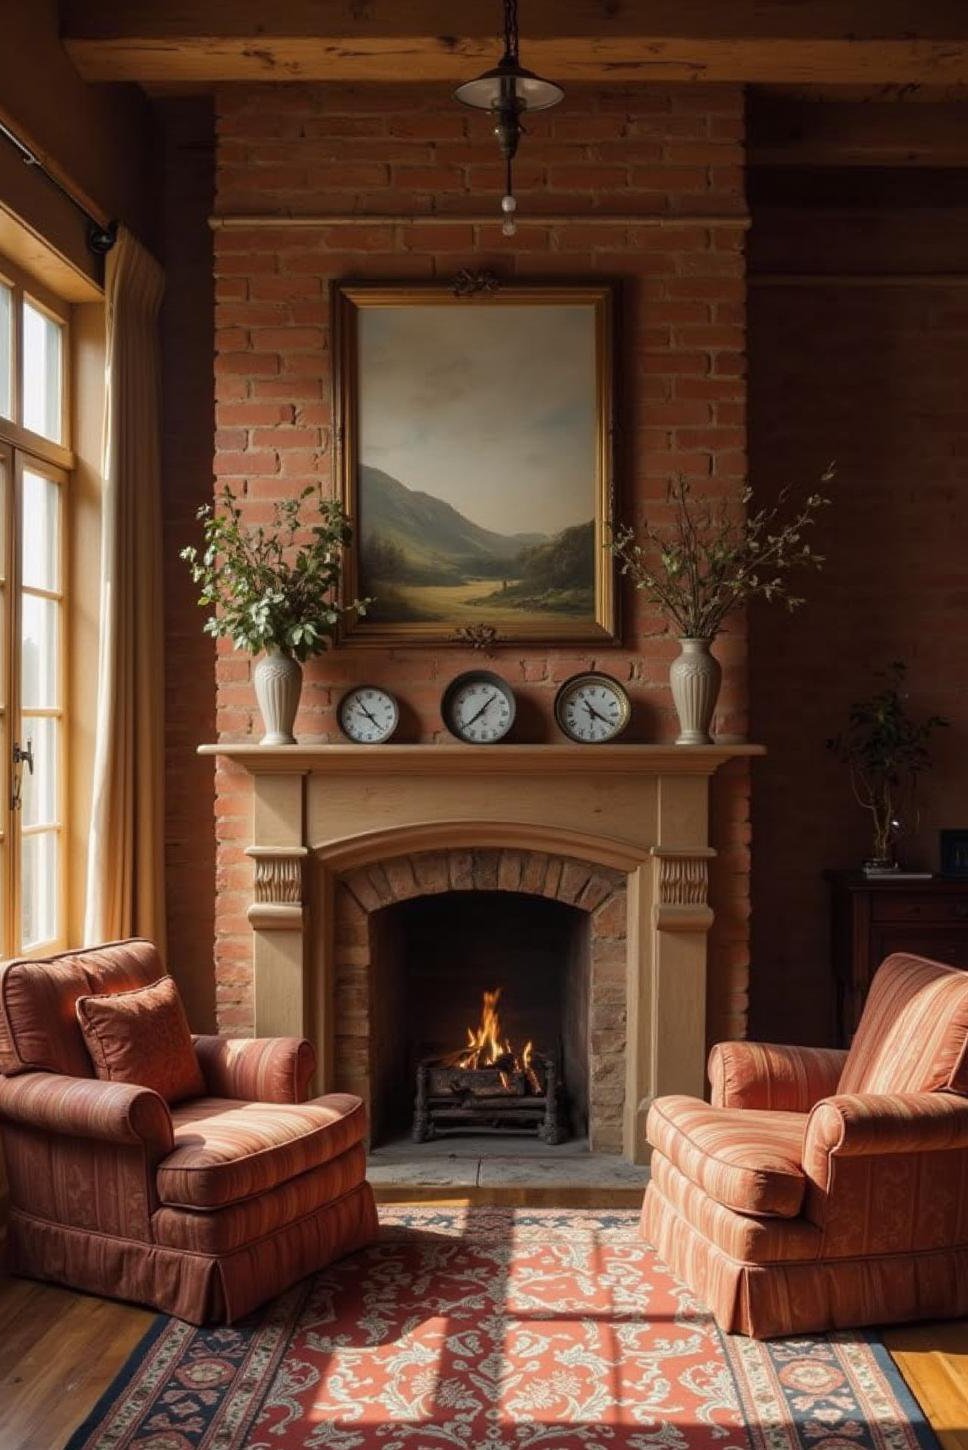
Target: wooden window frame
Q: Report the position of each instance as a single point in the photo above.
(22, 449)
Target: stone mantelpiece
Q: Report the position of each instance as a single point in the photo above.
(322, 814)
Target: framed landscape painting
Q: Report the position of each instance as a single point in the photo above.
(475, 460)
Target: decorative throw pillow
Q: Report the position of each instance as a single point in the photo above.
(142, 1037)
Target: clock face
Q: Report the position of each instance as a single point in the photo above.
(478, 707)
(592, 708)
(368, 715)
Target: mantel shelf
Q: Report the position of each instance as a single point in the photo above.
(482, 759)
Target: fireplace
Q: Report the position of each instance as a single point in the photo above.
(479, 1017)
(419, 938)
(353, 845)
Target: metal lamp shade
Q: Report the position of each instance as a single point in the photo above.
(489, 90)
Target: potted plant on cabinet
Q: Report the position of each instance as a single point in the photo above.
(274, 591)
(712, 559)
(886, 751)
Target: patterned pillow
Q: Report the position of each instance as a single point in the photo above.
(142, 1037)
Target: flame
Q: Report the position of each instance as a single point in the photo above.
(487, 1046)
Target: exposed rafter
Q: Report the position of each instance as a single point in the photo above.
(850, 42)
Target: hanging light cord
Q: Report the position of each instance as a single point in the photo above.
(511, 29)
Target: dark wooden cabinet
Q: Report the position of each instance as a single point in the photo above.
(872, 918)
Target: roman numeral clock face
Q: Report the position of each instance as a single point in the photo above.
(478, 707)
(592, 709)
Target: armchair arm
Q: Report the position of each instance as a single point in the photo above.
(257, 1069)
(86, 1107)
(854, 1125)
(767, 1075)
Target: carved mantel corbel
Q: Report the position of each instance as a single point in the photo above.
(278, 888)
(681, 888)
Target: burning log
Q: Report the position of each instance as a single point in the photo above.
(488, 1085)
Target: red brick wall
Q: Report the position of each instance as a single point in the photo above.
(674, 152)
(187, 171)
(875, 377)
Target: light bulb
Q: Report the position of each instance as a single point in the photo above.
(509, 228)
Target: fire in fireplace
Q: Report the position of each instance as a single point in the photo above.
(489, 1086)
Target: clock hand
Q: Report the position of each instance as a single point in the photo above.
(372, 718)
(592, 711)
(489, 701)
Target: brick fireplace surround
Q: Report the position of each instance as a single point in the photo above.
(666, 163)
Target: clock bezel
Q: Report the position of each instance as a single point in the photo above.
(457, 683)
(593, 677)
(354, 690)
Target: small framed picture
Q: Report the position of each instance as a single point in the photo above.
(954, 853)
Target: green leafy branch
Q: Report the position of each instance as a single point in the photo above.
(276, 586)
(713, 559)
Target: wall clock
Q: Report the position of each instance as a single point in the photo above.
(368, 715)
(478, 707)
(592, 708)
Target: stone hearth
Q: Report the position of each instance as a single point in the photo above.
(617, 833)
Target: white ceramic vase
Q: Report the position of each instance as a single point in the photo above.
(278, 684)
(695, 678)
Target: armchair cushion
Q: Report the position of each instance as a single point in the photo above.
(142, 1036)
(913, 1035)
(257, 1069)
(39, 1031)
(766, 1075)
(749, 1161)
(227, 1151)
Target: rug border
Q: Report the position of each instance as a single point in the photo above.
(133, 1362)
(925, 1434)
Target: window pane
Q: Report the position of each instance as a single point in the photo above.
(38, 792)
(40, 656)
(39, 889)
(41, 521)
(6, 351)
(42, 373)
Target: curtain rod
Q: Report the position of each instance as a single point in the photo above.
(101, 236)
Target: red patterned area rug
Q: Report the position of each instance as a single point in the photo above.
(500, 1329)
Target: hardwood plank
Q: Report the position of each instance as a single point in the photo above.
(933, 1358)
(765, 41)
(58, 1353)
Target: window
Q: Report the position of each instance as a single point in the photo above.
(34, 482)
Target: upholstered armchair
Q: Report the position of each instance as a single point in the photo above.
(203, 1195)
(824, 1189)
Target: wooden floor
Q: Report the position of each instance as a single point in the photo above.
(933, 1358)
(59, 1351)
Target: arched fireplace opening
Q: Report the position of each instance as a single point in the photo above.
(432, 958)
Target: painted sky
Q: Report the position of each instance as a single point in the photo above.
(490, 408)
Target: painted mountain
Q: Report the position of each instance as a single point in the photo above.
(421, 559)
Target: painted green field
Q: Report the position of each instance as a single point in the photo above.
(445, 603)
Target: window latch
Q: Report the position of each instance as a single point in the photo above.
(23, 755)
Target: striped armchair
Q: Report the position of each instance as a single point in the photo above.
(823, 1189)
(201, 1207)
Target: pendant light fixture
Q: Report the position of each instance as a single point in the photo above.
(507, 92)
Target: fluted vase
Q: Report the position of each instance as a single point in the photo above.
(278, 684)
(695, 678)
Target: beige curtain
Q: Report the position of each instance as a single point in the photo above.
(125, 874)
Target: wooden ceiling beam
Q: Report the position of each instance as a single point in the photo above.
(848, 42)
(786, 132)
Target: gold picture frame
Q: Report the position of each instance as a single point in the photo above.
(475, 460)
